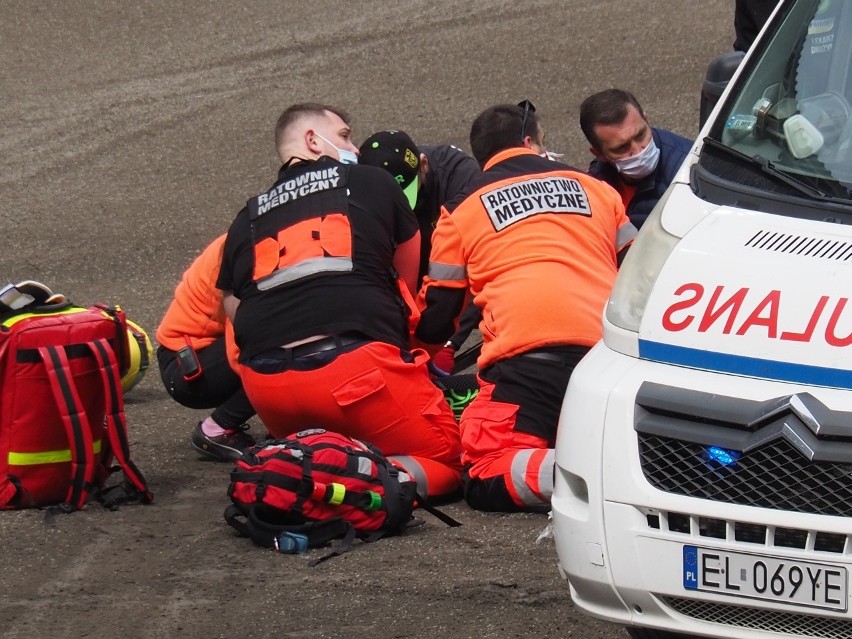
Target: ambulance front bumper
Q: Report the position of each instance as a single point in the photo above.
(638, 552)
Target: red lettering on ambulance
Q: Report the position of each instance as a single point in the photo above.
(711, 313)
(831, 329)
(770, 321)
(809, 331)
(671, 325)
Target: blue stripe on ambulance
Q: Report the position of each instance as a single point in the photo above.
(748, 366)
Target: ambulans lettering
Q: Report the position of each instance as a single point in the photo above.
(822, 44)
(300, 186)
(520, 200)
(747, 311)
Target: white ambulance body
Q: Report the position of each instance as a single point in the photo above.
(704, 458)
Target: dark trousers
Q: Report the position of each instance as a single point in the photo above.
(218, 386)
(749, 18)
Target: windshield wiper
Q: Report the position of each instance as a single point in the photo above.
(768, 168)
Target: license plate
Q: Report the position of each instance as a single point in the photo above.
(800, 583)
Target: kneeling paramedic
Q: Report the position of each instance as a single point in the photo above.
(538, 244)
(195, 360)
(314, 275)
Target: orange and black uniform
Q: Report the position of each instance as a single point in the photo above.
(313, 256)
(538, 245)
(196, 318)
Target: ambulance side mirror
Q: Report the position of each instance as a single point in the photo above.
(719, 73)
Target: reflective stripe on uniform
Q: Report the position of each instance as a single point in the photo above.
(413, 468)
(303, 269)
(545, 474)
(524, 466)
(447, 272)
(625, 234)
(46, 456)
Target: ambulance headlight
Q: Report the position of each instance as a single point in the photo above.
(639, 271)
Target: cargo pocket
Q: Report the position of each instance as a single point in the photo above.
(365, 400)
(487, 427)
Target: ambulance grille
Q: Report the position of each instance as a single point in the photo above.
(789, 624)
(829, 249)
(775, 475)
(790, 453)
(742, 532)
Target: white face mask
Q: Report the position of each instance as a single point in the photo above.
(344, 155)
(640, 165)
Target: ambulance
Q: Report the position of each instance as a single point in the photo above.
(703, 481)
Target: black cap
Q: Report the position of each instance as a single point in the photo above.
(395, 152)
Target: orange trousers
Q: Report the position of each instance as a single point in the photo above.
(371, 393)
(509, 430)
(505, 469)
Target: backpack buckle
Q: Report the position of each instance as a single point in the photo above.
(289, 543)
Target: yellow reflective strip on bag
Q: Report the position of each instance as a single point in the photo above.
(17, 318)
(46, 456)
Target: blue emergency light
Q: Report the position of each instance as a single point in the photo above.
(722, 456)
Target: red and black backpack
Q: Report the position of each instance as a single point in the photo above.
(316, 486)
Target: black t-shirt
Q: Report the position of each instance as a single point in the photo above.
(314, 255)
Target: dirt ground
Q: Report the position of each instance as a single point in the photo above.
(131, 133)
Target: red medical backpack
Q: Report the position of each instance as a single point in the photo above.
(62, 417)
(305, 490)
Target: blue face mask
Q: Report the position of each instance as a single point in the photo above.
(344, 155)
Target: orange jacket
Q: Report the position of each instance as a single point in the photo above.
(196, 311)
(537, 246)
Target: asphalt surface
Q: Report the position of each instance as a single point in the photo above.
(131, 133)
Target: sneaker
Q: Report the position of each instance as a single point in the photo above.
(227, 447)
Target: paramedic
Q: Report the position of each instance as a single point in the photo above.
(195, 323)
(637, 160)
(311, 274)
(538, 245)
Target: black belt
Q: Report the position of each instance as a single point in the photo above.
(306, 357)
(324, 344)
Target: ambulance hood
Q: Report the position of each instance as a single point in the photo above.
(758, 295)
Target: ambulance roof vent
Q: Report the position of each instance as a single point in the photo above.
(820, 247)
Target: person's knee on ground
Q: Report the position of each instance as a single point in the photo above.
(518, 480)
(435, 480)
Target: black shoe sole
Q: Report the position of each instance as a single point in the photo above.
(208, 454)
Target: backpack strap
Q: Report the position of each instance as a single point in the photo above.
(76, 424)
(122, 347)
(345, 545)
(423, 503)
(117, 426)
(257, 522)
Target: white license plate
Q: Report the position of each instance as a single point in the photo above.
(801, 583)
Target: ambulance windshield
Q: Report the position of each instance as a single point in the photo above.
(790, 115)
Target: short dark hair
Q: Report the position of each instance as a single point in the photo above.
(296, 111)
(499, 128)
(605, 107)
